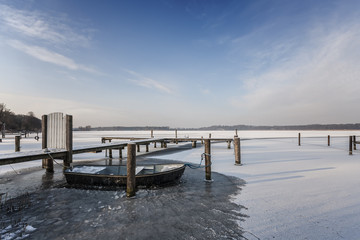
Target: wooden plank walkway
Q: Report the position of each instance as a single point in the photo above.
(18, 157)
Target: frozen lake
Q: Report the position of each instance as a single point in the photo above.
(290, 192)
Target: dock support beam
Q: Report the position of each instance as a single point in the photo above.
(350, 145)
(207, 160)
(131, 166)
(120, 153)
(237, 150)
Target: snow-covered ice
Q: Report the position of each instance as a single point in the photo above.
(292, 192)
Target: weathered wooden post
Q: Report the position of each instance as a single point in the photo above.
(68, 140)
(328, 140)
(209, 135)
(354, 142)
(194, 144)
(229, 144)
(46, 163)
(299, 139)
(350, 145)
(147, 147)
(162, 144)
(237, 150)
(131, 166)
(207, 160)
(176, 136)
(165, 144)
(154, 144)
(17, 143)
(138, 147)
(110, 150)
(152, 133)
(202, 140)
(236, 133)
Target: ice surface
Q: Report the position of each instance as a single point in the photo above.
(292, 192)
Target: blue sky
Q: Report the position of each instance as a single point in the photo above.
(182, 63)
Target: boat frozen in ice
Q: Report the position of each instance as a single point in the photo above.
(146, 175)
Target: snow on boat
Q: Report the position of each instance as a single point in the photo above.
(146, 175)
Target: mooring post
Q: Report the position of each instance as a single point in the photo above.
(237, 150)
(17, 143)
(68, 140)
(299, 139)
(207, 160)
(47, 163)
(110, 150)
(131, 166)
(328, 140)
(354, 142)
(194, 144)
(229, 144)
(176, 136)
(350, 145)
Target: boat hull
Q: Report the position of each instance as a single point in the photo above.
(116, 175)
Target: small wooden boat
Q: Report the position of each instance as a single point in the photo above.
(146, 175)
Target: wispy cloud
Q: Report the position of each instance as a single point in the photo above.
(46, 55)
(40, 26)
(146, 82)
(314, 85)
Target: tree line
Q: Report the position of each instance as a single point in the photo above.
(12, 122)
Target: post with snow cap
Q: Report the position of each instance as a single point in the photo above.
(237, 150)
(17, 143)
(350, 145)
(131, 166)
(299, 139)
(207, 160)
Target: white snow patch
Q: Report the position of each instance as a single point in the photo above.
(87, 169)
